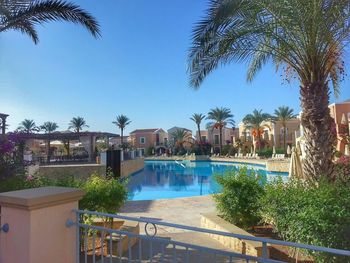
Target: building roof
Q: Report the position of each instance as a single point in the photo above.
(146, 130)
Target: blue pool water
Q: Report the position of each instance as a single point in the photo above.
(168, 179)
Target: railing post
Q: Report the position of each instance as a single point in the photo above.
(37, 225)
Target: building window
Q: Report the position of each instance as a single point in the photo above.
(216, 139)
(142, 140)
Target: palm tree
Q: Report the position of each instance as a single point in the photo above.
(197, 118)
(49, 127)
(122, 121)
(28, 126)
(255, 123)
(24, 15)
(220, 118)
(284, 114)
(180, 136)
(77, 124)
(307, 38)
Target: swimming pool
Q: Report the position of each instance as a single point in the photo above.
(170, 179)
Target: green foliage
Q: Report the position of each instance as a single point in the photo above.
(267, 152)
(150, 151)
(103, 194)
(239, 201)
(228, 149)
(307, 213)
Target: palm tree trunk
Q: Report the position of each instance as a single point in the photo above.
(318, 130)
(121, 138)
(284, 138)
(199, 133)
(220, 139)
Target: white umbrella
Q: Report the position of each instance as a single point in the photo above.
(153, 151)
(346, 150)
(239, 150)
(212, 150)
(295, 168)
(274, 150)
(288, 150)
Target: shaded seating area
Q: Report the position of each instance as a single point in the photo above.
(78, 147)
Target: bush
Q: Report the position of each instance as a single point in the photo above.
(201, 148)
(239, 201)
(228, 149)
(342, 169)
(308, 213)
(103, 194)
(267, 153)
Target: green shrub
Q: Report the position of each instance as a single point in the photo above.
(239, 201)
(308, 213)
(103, 194)
(228, 149)
(267, 153)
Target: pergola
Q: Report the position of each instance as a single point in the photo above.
(88, 137)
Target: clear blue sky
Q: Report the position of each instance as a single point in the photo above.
(137, 68)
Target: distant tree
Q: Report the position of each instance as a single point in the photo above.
(49, 127)
(284, 114)
(180, 136)
(198, 118)
(77, 124)
(25, 15)
(220, 117)
(121, 122)
(255, 121)
(28, 126)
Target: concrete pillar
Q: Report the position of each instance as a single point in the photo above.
(37, 231)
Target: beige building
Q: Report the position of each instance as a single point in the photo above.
(142, 139)
(212, 136)
(273, 133)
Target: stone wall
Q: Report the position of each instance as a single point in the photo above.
(79, 171)
(213, 222)
(278, 166)
(132, 166)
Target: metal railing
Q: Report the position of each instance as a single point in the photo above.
(97, 243)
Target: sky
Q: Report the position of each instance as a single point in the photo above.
(137, 68)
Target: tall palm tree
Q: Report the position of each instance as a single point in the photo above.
(25, 15)
(49, 127)
(122, 121)
(255, 122)
(28, 126)
(198, 118)
(284, 114)
(307, 38)
(77, 124)
(220, 117)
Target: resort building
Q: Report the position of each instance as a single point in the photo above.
(273, 133)
(340, 112)
(212, 136)
(142, 139)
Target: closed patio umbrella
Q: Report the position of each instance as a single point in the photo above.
(344, 121)
(289, 152)
(346, 151)
(274, 150)
(295, 168)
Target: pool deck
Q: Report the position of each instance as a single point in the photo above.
(184, 211)
(270, 164)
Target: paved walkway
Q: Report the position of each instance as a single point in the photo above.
(184, 211)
